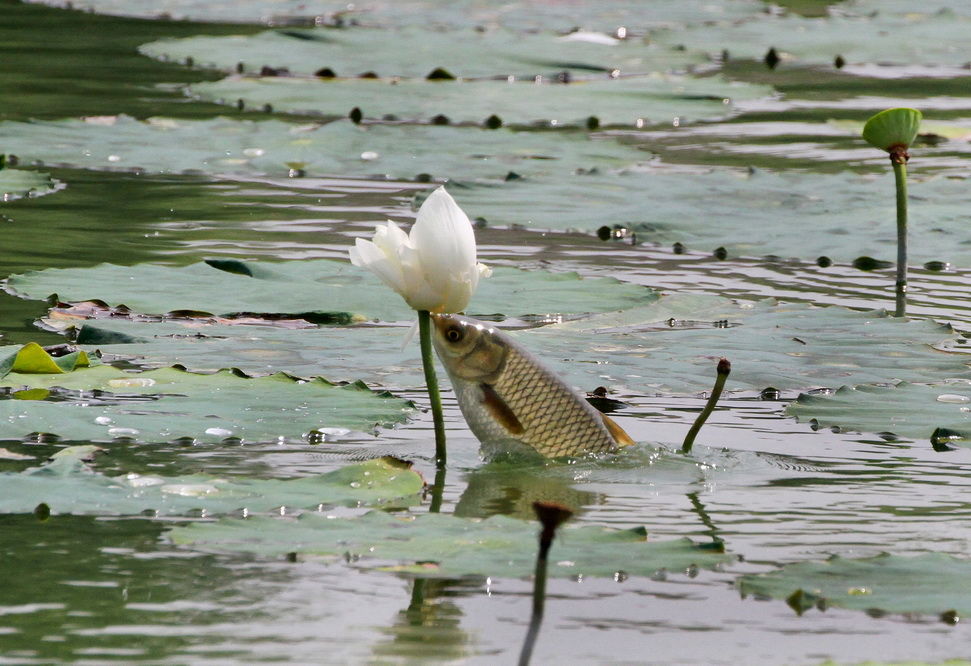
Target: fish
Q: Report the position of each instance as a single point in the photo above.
(513, 402)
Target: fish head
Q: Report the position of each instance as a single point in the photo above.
(469, 349)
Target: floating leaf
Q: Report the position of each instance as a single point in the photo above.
(224, 145)
(440, 545)
(103, 403)
(673, 345)
(880, 36)
(629, 101)
(17, 183)
(34, 359)
(604, 15)
(838, 215)
(905, 409)
(467, 52)
(932, 583)
(336, 291)
(68, 484)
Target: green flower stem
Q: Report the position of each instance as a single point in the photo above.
(431, 381)
(724, 369)
(899, 161)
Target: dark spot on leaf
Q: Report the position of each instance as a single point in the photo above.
(824, 262)
(440, 74)
(189, 62)
(240, 104)
(42, 512)
(325, 73)
(512, 175)
(390, 117)
(942, 436)
(593, 122)
(355, 115)
(839, 62)
(950, 617)
(770, 393)
(564, 77)
(266, 70)
(937, 266)
(604, 233)
(678, 248)
(725, 55)
(240, 68)
(772, 58)
(423, 178)
(493, 122)
(368, 75)
(267, 108)
(870, 264)
(440, 119)
(720, 254)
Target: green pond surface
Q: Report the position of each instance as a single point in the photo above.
(220, 478)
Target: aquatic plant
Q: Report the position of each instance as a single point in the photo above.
(894, 131)
(724, 368)
(434, 269)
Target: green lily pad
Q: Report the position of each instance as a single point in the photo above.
(18, 183)
(321, 291)
(932, 583)
(605, 15)
(905, 409)
(68, 484)
(223, 145)
(466, 53)
(33, 359)
(885, 36)
(672, 346)
(103, 403)
(631, 101)
(441, 545)
(840, 216)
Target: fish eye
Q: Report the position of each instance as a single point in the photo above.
(453, 334)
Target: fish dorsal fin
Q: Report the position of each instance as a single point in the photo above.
(621, 437)
(500, 411)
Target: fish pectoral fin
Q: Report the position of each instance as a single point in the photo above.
(500, 411)
(621, 437)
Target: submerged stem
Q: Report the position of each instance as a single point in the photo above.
(899, 162)
(724, 368)
(431, 382)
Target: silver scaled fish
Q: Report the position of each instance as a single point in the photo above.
(514, 403)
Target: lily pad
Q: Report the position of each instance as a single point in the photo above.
(672, 346)
(441, 545)
(68, 484)
(902, 37)
(103, 403)
(605, 15)
(905, 409)
(631, 101)
(465, 53)
(223, 145)
(321, 291)
(840, 216)
(932, 583)
(18, 183)
(33, 359)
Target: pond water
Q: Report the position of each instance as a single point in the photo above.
(722, 192)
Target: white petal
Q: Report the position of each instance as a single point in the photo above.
(368, 255)
(445, 242)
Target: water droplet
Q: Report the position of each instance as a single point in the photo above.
(219, 432)
(953, 398)
(124, 382)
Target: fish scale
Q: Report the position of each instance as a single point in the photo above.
(536, 408)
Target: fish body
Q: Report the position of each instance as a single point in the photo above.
(511, 401)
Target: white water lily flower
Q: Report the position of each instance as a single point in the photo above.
(434, 268)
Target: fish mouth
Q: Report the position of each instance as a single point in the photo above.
(440, 321)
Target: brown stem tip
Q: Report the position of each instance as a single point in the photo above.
(551, 515)
(724, 366)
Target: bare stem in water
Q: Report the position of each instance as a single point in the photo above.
(724, 369)
(551, 515)
(431, 381)
(898, 158)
